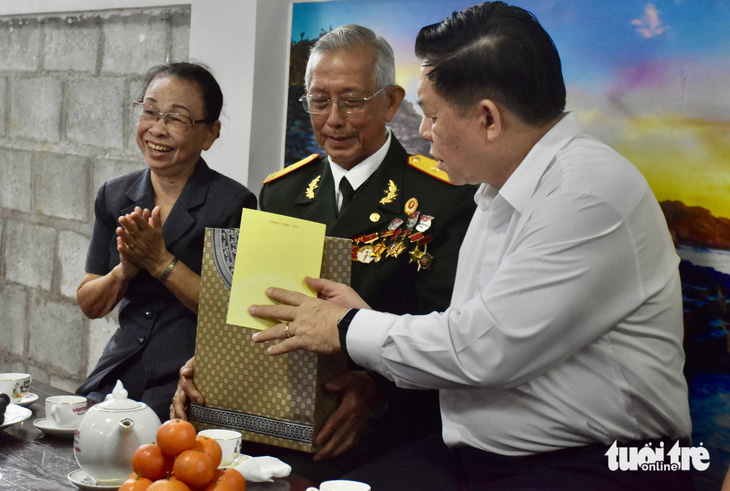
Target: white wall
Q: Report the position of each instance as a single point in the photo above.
(222, 35)
(25, 7)
(246, 43)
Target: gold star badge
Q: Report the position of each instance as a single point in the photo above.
(421, 257)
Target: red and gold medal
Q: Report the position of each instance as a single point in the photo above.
(411, 206)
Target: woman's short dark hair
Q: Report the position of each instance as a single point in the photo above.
(193, 72)
(499, 52)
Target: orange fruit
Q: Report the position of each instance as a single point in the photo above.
(171, 484)
(219, 486)
(149, 461)
(175, 436)
(231, 476)
(209, 447)
(194, 468)
(136, 484)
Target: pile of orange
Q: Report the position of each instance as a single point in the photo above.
(181, 460)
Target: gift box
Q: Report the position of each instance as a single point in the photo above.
(276, 400)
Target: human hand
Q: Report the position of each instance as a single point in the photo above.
(140, 240)
(337, 293)
(309, 323)
(127, 268)
(186, 391)
(348, 423)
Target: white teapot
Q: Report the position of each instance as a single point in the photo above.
(110, 432)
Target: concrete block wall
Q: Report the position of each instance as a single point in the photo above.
(66, 87)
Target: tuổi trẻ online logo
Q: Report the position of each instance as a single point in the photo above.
(655, 458)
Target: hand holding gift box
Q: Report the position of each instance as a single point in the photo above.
(274, 400)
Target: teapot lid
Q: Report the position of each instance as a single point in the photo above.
(118, 400)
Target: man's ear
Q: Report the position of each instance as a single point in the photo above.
(212, 136)
(490, 119)
(394, 95)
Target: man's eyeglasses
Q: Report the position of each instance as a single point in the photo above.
(175, 122)
(320, 104)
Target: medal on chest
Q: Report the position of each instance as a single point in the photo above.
(400, 234)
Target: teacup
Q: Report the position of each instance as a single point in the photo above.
(341, 485)
(15, 385)
(65, 411)
(229, 440)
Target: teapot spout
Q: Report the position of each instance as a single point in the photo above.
(125, 426)
(128, 442)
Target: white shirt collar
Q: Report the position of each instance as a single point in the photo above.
(361, 171)
(522, 183)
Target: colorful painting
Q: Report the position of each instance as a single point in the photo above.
(651, 79)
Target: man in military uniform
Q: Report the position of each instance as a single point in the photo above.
(406, 222)
(405, 218)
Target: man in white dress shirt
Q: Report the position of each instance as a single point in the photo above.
(564, 333)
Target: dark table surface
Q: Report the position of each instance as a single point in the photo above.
(31, 460)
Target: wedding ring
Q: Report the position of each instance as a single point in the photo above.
(131, 247)
(286, 330)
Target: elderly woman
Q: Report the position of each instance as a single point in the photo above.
(151, 260)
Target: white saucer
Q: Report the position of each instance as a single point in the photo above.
(48, 427)
(235, 462)
(26, 401)
(82, 480)
(15, 414)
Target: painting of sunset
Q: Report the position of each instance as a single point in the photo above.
(651, 79)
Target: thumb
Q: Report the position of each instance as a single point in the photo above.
(155, 220)
(315, 284)
(338, 383)
(322, 286)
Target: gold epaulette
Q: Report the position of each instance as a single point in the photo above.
(428, 166)
(290, 168)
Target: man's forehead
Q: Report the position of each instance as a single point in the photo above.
(424, 89)
(330, 82)
(353, 66)
(339, 84)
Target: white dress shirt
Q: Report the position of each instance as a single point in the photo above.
(565, 326)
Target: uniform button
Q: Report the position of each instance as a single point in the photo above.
(141, 340)
(149, 314)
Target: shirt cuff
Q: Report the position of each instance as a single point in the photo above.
(366, 336)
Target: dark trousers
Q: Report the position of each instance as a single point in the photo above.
(429, 464)
(374, 444)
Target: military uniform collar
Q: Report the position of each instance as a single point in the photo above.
(363, 170)
(378, 198)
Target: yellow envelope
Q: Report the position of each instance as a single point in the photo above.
(273, 250)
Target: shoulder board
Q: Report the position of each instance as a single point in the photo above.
(428, 166)
(290, 168)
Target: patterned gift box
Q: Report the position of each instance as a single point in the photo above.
(276, 400)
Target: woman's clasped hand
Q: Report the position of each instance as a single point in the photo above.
(146, 248)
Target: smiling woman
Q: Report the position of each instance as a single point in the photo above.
(146, 248)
